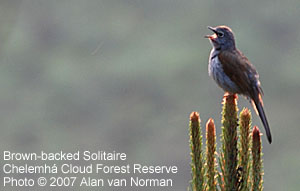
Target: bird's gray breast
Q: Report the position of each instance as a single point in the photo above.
(215, 70)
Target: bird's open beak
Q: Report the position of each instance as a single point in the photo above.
(211, 36)
(212, 29)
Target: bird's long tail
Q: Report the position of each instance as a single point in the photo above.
(259, 106)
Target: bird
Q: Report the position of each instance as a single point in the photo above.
(233, 72)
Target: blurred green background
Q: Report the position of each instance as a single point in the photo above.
(124, 75)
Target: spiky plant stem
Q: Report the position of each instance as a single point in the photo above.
(196, 154)
(210, 155)
(244, 148)
(229, 140)
(257, 171)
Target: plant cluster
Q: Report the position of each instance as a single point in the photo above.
(238, 165)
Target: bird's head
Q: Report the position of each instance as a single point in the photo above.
(222, 39)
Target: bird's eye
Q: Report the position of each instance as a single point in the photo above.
(220, 34)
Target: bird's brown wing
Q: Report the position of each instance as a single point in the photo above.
(238, 68)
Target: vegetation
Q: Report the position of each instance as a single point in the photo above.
(239, 167)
